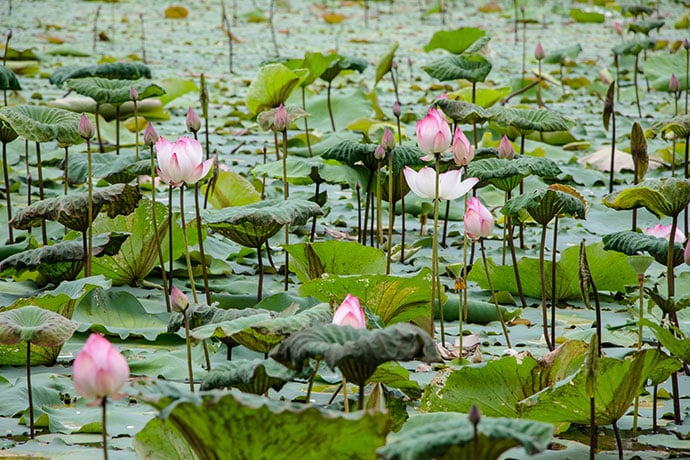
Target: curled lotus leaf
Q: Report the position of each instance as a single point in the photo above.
(678, 127)
(473, 68)
(341, 64)
(675, 341)
(352, 153)
(63, 260)
(632, 243)
(251, 225)
(462, 112)
(386, 63)
(272, 86)
(545, 204)
(314, 63)
(116, 92)
(356, 352)
(528, 120)
(72, 210)
(7, 133)
(661, 197)
(115, 71)
(42, 124)
(452, 436)
(36, 325)
(558, 56)
(455, 41)
(250, 376)
(507, 174)
(8, 80)
(634, 47)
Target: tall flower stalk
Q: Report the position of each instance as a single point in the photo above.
(86, 131)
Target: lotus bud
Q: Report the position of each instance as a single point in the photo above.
(394, 64)
(479, 222)
(150, 135)
(380, 152)
(475, 415)
(350, 313)
(388, 140)
(673, 84)
(686, 254)
(433, 134)
(686, 44)
(505, 149)
(193, 121)
(85, 127)
(178, 299)
(522, 9)
(133, 93)
(100, 370)
(463, 152)
(9, 34)
(281, 119)
(396, 109)
(618, 27)
(410, 61)
(539, 52)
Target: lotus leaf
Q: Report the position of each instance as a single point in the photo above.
(36, 325)
(462, 112)
(661, 197)
(507, 174)
(272, 86)
(474, 68)
(341, 64)
(351, 153)
(386, 62)
(8, 80)
(256, 376)
(116, 92)
(42, 124)
(311, 260)
(545, 204)
(631, 243)
(527, 120)
(454, 41)
(115, 70)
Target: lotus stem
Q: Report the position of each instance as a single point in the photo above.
(28, 175)
(104, 431)
(619, 444)
(260, 287)
(306, 123)
(272, 10)
(640, 280)
(366, 207)
(687, 78)
(434, 258)
(391, 212)
(371, 222)
(346, 402)
(618, 77)
(655, 400)
(117, 129)
(95, 28)
(686, 171)
(592, 429)
(539, 100)
(637, 92)
(156, 234)
(40, 189)
(358, 189)
(360, 398)
(8, 199)
(613, 149)
(379, 211)
(202, 254)
(402, 224)
(89, 246)
(190, 272)
(330, 108)
(543, 287)
(513, 255)
(311, 381)
(98, 128)
(553, 281)
(143, 38)
(312, 233)
(65, 177)
(515, 21)
(286, 194)
(442, 11)
(524, 43)
(671, 289)
(445, 225)
(28, 389)
(170, 232)
(522, 190)
(493, 293)
(204, 113)
(189, 348)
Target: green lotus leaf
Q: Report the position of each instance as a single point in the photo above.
(462, 112)
(311, 260)
(42, 124)
(474, 68)
(63, 260)
(580, 15)
(668, 305)
(116, 92)
(7, 134)
(299, 171)
(496, 386)
(351, 153)
(8, 80)
(454, 41)
(356, 352)
(256, 376)
(139, 254)
(634, 47)
(678, 126)
(114, 71)
(545, 204)
(559, 56)
(658, 68)
(619, 381)
(212, 422)
(392, 298)
(636, 10)
(528, 120)
(341, 64)
(447, 436)
(631, 243)
(661, 197)
(271, 87)
(251, 225)
(113, 168)
(314, 63)
(394, 375)
(72, 210)
(507, 174)
(36, 325)
(679, 346)
(386, 62)
(231, 189)
(645, 26)
(638, 150)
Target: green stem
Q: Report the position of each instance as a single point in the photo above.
(40, 190)
(592, 429)
(391, 212)
(493, 293)
(104, 431)
(379, 211)
(360, 398)
(311, 381)
(637, 92)
(156, 234)
(189, 350)
(190, 272)
(434, 257)
(542, 279)
(346, 402)
(553, 281)
(199, 234)
(28, 389)
(286, 194)
(330, 109)
(8, 200)
(89, 215)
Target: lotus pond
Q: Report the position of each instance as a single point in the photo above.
(205, 183)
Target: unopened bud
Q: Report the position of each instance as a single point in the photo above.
(673, 84)
(281, 120)
(686, 44)
(505, 149)
(396, 109)
(178, 299)
(475, 415)
(380, 152)
(133, 93)
(85, 127)
(539, 52)
(388, 140)
(150, 135)
(193, 121)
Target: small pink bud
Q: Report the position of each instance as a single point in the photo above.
(479, 222)
(100, 370)
(388, 140)
(618, 27)
(178, 299)
(85, 127)
(150, 135)
(350, 313)
(539, 52)
(463, 152)
(673, 84)
(394, 64)
(686, 44)
(505, 149)
(193, 121)
(522, 9)
(380, 152)
(396, 109)
(133, 93)
(281, 120)
(410, 61)
(475, 415)
(686, 254)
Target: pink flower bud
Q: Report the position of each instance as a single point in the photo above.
(475, 415)
(396, 109)
(539, 52)
(463, 152)
(133, 93)
(99, 371)
(618, 27)
(433, 134)
(193, 121)
(686, 44)
(150, 135)
(350, 313)
(505, 149)
(388, 140)
(281, 119)
(686, 253)
(178, 299)
(673, 84)
(380, 152)
(85, 127)
(394, 64)
(479, 222)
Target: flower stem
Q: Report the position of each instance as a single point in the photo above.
(156, 234)
(391, 212)
(286, 194)
(311, 381)
(379, 211)
(189, 350)
(434, 258)
(199, 234)
(186, 246)
(8, 200)
(104, 431)
(28, 389)
(89, 215)
(543, 287)
(493, 293)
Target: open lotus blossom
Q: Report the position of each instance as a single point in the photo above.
(505, 149)
(181, 162)
(433, 134)
(664, 231)
(99, 371)
(479, 222)
(462, 149)
(350, 313)
(450, 187)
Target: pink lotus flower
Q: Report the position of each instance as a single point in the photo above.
(350, 313)
(192, 120)
(100, 370)
(686, 253)
(479, 222)
(450, 187)
(539, 52)
(505, 149)
(463, 152)
(85, 127)
(281, 119)
(664, 231)
(180, 162)
(178, 299)
(388, 139)
(433, 134)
